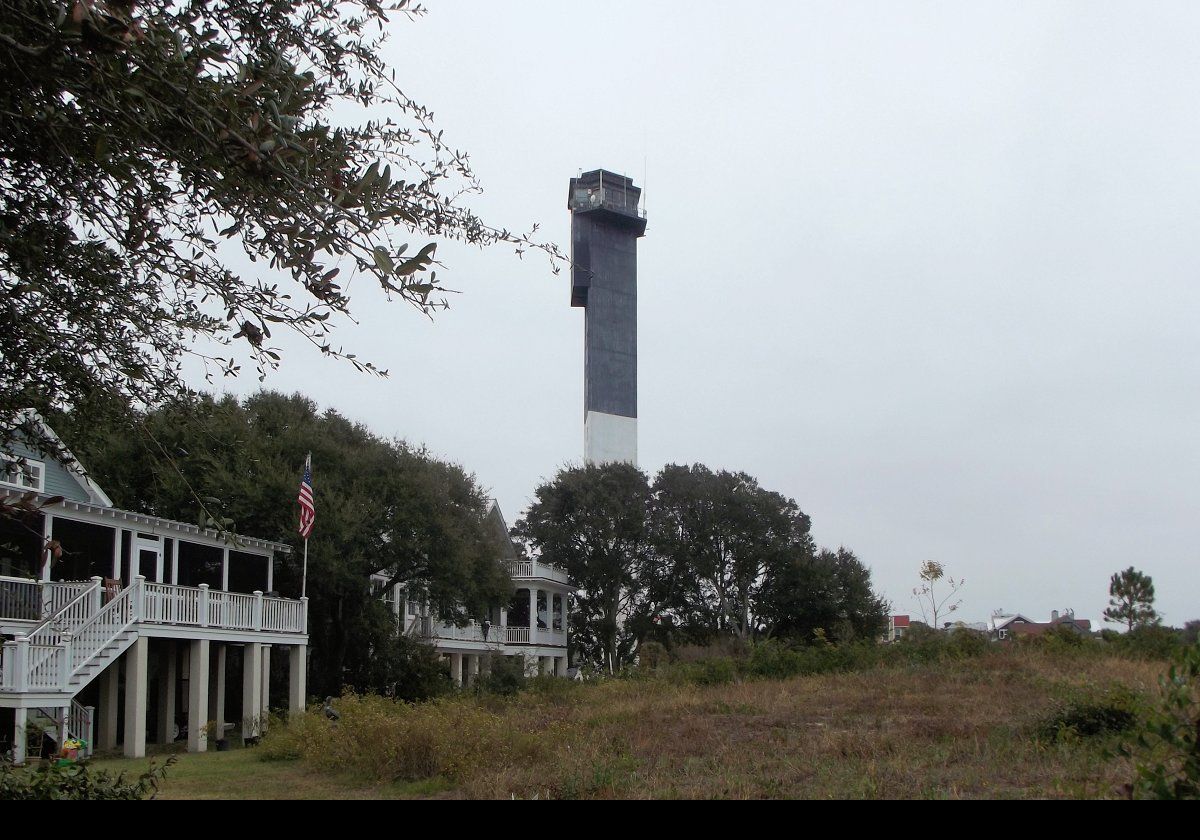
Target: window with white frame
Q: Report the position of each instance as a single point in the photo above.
(24, 473)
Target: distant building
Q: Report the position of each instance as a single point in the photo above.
(533, 627)
(1003, 627)
(897, 626)
(977, 626)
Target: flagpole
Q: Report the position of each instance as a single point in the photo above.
(304, 577)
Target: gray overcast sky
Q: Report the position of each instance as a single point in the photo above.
(929, 268)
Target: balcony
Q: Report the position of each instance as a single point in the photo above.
(533, 570)
(496, 637)
(23, 600)
(623, 201)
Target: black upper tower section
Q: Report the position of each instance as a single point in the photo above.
(605, 225)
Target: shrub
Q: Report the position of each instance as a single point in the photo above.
(1152, 642)
(963, 643)
(387, 741)
(652, 656)
(505, 678)
(705, 672)
(409, 670)
(1167, 749)
(77, 782)
(1090, 713)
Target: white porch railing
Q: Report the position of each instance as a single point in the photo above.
(62, 623)
(202, 607)
(283, 616)
(20, 599)
(536, 636)
(533, 569)
(61, 646)
(168, 604)
(471, 633)
(57, 594)
(25, 599)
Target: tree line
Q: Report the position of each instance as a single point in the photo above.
(689, 557)
(383, 506)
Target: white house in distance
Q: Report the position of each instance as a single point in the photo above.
(533, 626)
(135, 601)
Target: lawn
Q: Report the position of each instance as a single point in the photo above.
(947, 730)
(242, 774)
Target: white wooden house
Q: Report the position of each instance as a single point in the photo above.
(533, 626)
(135, 603)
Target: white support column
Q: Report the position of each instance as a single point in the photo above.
(138, 596)
(174, 561)
(166, 694)
(109, 699)
(61, 721)
(20, 735)
(251, 689)
(116, 553)
(265, 705)
(47, 535)
(89, 733)
(136, 660)
(297, 678)
(198, 696)
(560, 666)
(532, 615)
(216, 687)
(456, 668)
(225, 570)
(97, 594)
(472, 668)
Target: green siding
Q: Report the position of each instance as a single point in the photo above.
(59, 480)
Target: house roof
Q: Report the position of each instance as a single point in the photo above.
(154, 524)
(100, 506)
(899, 621)
(69, 462)
(999, 622)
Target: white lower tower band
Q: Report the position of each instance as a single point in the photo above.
(609, 438)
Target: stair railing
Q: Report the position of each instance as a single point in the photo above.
(46, 653)
(99, 631)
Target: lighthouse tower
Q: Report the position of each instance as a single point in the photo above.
(606, 223)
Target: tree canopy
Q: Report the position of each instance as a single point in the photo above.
(691, 557)
(382, 506)
(592, 522)
(1132, 599)
(189, 177)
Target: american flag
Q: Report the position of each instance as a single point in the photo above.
(308, 513)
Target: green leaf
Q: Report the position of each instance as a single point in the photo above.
(383, 261)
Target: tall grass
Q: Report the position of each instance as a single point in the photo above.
(946, 718)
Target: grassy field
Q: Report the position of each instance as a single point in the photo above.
(965, 729)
